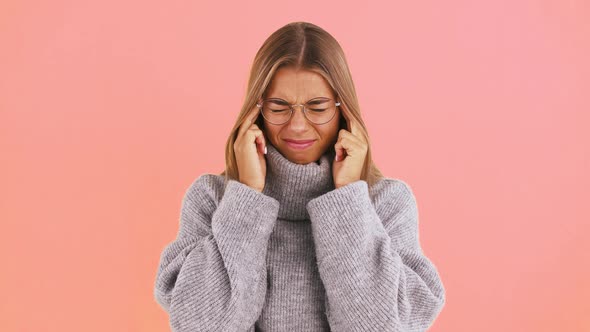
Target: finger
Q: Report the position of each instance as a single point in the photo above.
(257, 136)
(263, 148)
(262, 140)
(355, 141)
(353, 127)
(358, 138)
(340, 151)
(249, 120)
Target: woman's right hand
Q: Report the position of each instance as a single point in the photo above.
(249, 148)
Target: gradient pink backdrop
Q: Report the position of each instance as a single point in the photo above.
(109, 110)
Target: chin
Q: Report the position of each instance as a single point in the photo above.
(303, 157)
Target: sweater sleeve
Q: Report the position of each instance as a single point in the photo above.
(375, 273)
(212, 276)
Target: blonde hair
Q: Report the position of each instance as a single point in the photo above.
(301, 45)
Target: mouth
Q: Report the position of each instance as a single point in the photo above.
(299, 144)
(299, 141)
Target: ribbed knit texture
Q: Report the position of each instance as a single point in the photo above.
(298, 256)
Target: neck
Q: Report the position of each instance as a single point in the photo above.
(294, 185)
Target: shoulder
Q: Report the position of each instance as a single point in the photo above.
(387, 189)
(393, 198)
(205, 191)
(201, 198)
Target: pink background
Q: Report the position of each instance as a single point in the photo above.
(110, 109)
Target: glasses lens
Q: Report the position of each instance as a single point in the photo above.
(276, 111)
(320, 110)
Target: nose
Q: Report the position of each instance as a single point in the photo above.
(298, 120)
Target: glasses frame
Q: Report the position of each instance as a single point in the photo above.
(292, 109)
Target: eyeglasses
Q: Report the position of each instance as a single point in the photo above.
(318, 110)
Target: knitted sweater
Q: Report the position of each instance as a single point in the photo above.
(298, 256)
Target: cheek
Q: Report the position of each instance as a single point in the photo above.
(331, 134)
(272, 134)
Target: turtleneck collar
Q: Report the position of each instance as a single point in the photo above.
(294, 185)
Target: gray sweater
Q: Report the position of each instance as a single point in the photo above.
(298, 256)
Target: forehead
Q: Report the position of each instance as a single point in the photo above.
(298, 85)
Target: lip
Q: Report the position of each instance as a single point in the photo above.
(299, 141)
(299, 145)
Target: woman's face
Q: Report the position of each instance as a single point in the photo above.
(298, 87)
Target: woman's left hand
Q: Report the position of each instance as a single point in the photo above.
(351, 151)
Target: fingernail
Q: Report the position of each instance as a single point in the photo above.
(336, 158)
(265, 150)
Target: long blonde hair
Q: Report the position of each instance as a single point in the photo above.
(302, 45)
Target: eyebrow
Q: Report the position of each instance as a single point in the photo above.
(319, 97)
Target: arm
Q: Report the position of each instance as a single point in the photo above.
(212, 277)
(370, 260)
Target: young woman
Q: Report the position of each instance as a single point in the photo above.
(301, 232)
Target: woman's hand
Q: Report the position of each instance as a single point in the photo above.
(250, 148)
(351, 151)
